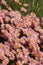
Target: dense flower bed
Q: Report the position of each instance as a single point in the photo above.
(21, 39)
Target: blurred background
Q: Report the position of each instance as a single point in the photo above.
(35, 6)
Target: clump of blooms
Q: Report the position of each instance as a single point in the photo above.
(21, 39)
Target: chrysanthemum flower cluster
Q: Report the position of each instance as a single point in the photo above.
(21, 39)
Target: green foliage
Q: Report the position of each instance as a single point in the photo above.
(33, 6)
